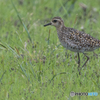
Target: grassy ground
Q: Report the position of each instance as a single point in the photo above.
(33, 66)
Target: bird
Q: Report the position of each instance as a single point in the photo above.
(74, 40)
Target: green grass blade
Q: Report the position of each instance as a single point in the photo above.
(22, 22)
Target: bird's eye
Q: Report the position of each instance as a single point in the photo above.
(54, 21)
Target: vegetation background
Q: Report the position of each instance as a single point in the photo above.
(33, 64)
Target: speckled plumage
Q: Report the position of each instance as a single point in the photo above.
(77, 41)
(73, 39)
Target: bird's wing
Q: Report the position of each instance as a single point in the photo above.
(81, 39)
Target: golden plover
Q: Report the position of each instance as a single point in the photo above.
(74, 40)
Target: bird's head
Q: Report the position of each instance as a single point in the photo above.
(57, 22)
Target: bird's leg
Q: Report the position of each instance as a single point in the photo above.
(79, 63)
(86, 60)
(78, 59)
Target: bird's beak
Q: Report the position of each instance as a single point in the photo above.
(47, 24)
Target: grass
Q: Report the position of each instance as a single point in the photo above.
(33, 64)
